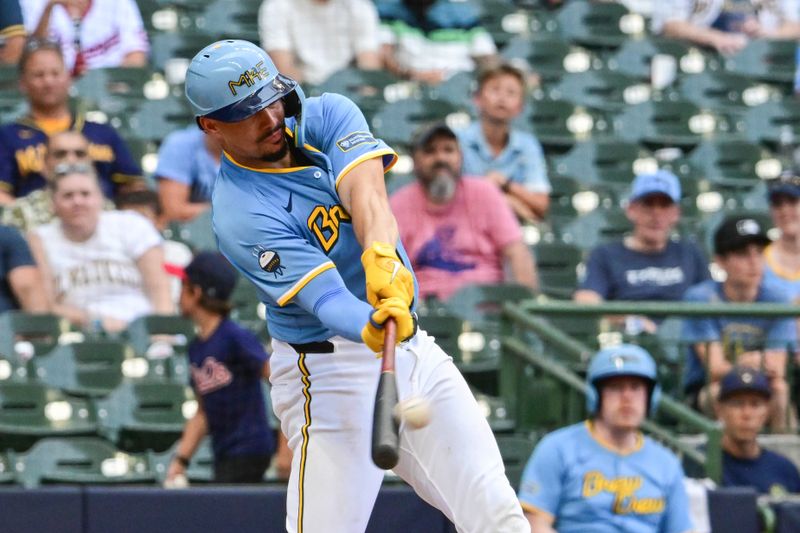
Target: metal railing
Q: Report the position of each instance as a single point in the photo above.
(522, 316)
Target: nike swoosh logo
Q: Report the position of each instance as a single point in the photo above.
(288, 206)
(395, 271)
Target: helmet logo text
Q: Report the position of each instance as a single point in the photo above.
(248, 77)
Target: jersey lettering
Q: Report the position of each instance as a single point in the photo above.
(624, 491)
(325, 224)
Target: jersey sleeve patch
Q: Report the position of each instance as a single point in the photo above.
(357, 138)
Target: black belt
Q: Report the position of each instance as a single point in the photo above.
(313, 347)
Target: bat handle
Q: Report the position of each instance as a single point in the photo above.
(389, 342)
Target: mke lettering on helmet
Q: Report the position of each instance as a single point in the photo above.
(248, 77)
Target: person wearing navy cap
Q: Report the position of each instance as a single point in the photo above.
(743, 409)
(783, 255)
(227, 364)
(648, 264)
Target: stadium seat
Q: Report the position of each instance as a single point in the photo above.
(601, 89)
(515, 449)
(550, 56)
(81, 460)
(556, 264)
(32, 411)
(155, 119)
(764, 123)
(365, 87)
(90, 368)
(482, 304)
(729, 163)
(604, 161)
(397, 122)
(176, 46)
(558, 124)
(496, 411)
(766, 59)
(634, 57)
(201, 467)
(598, 24)
(227, 18)
(8, 475)
(198, 233)
(42, 331)
(115, 89)
(658, 124)
(142, 332)
(725, 91)
(142, 416)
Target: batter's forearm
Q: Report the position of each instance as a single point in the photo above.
(373, 221)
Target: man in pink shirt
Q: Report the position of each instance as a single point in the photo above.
(457, 230)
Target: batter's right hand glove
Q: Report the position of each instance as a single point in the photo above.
(396, 308)
(385, 274)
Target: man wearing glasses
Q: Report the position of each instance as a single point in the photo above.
(45, 82)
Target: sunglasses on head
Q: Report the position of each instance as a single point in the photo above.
(33, 44)
(63, 169)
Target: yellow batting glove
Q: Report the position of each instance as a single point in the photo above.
(396, 308)
(385, 274)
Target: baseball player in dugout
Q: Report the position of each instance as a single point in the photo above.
(603, 475)
(300, 208)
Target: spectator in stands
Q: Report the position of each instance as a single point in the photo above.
(647, 264)
(45, 83)
(227, 366)
(743, 409)
(604, 470)
(21, 286)
(100, 268)
(457, 230)
(188, 163)
(12, 32)
(311, 39)
(726, 26)
(512, 159)
(717, 343)
(783, 255)
(430, 40)
(92, 33)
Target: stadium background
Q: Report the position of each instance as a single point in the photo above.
(95, 410)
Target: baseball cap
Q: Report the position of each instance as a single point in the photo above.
(660, 182)
(744, 379)
(427, 133)
(737, 232)
(212, 273)
(787, 183)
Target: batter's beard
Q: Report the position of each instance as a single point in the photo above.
(278, 155)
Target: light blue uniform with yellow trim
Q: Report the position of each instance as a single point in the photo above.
(590, 488)
(290, 227)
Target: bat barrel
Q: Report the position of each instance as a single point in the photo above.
(385, 436)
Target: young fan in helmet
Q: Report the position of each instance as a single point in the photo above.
(603, 474)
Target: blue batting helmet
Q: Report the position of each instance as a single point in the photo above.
(231, 80)
(621, 360)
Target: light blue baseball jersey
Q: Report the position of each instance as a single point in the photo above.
(286, 228)
(590, 488)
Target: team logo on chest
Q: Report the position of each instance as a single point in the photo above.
(324, 223)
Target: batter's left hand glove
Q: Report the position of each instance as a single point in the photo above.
(385, 274)
(396, 308)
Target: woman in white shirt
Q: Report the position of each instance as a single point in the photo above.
(101, 268)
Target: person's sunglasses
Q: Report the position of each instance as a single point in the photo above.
(63, 169)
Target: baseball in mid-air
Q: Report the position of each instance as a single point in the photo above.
(414, 411)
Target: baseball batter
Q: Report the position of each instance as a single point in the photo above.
(300, 208)
(603, 475)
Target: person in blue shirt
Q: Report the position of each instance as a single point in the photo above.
(783, 255)
(12, 32)
(603, 475)
(743, 410)
(511, 158)
(227, 366)
(648, 264)
(188, 163)
(300, 209)
(718, 343)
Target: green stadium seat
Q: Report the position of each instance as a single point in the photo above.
(180, 45)
(155, 119)
(725, 91)
(367, 88)
(81, 460)
(635, 55)
(32, 411)
(201, 467)
(598, 24)
(557, 264)
(115, 89)
(142, 416)
(497, 17)
(482, 304)
(142, 332)
(496, 411)
(515, 449)
(668, 123)
(90, 368)
(397, 122)
(729, 163)
(601, 89)
(198, 233)
(766, 59)
(8, 475)
(551, 56)
(603, 161)
(763, 124)
(559, 124)
(42, 331)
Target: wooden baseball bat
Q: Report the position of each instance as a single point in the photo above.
(385, 436)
